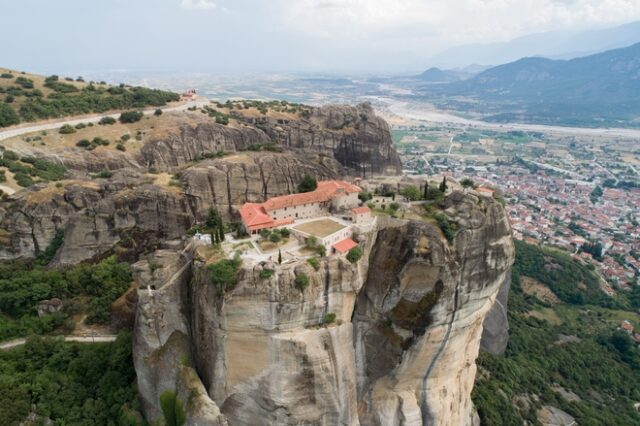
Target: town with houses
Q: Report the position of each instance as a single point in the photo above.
(558, 191)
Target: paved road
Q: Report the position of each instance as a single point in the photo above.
(450, 145)
(80, 339)
(16, 131)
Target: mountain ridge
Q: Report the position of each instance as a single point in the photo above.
(553, 44)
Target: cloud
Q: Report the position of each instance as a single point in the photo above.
(198, 4)
(449, 21)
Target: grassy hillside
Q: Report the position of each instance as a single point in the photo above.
(28, 97)
(565, 344)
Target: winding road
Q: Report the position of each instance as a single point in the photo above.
(49, 125)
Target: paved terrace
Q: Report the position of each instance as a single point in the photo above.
(291, 251)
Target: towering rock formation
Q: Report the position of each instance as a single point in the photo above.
(402, 349)
(354, 136)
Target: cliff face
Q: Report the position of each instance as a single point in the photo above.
(354, 136)
(130, 209)
(402, 349)
(419, 317)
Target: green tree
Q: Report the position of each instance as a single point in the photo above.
(275, 237)
(264, 233)
(329, 318)
(8, 116)
(448, 228)
(301, 281)
(279, 257)
(411, 193)
(130, 116)
(105, 121)
(354, 254)
(266, 273)
(425, 194)
(221, 231)
(157, 112)
(467, 183)
(596, 194)
(213, 220)
(307, 184)
(66, 129)
(314, 263)
(223, 273)
(365, 196)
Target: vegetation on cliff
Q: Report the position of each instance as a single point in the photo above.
(573, 345)
(29, 170)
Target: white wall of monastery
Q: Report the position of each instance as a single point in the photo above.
(361, 218)
(330, 240)
(304, 211)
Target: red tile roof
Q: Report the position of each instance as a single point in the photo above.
(256, 216)
(345, 245)
(361, 210)
(325, 191)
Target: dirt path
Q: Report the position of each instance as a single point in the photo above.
(80, 339)
(16, 131)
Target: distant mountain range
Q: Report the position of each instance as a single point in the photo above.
(601, 89)
(436, 75)
(553, 45)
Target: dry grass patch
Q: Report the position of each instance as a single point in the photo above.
(240, 159)
(45, 194)
(320, 228)
(546, 314)
(535, 288)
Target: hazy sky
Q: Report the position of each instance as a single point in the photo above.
(224, 36)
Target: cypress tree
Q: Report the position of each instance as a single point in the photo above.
(279, 256)
(213, 219)
(221, 231)
(426, 190)
(443, 185)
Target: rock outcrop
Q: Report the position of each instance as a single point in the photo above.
(354, 136)
(131, 208)
(401, 349)
(132, 211)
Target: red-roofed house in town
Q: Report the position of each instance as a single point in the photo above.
(329, 196)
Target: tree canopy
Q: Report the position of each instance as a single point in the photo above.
(307, 184)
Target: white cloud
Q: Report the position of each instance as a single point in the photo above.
(449, 21)
(198, 4)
